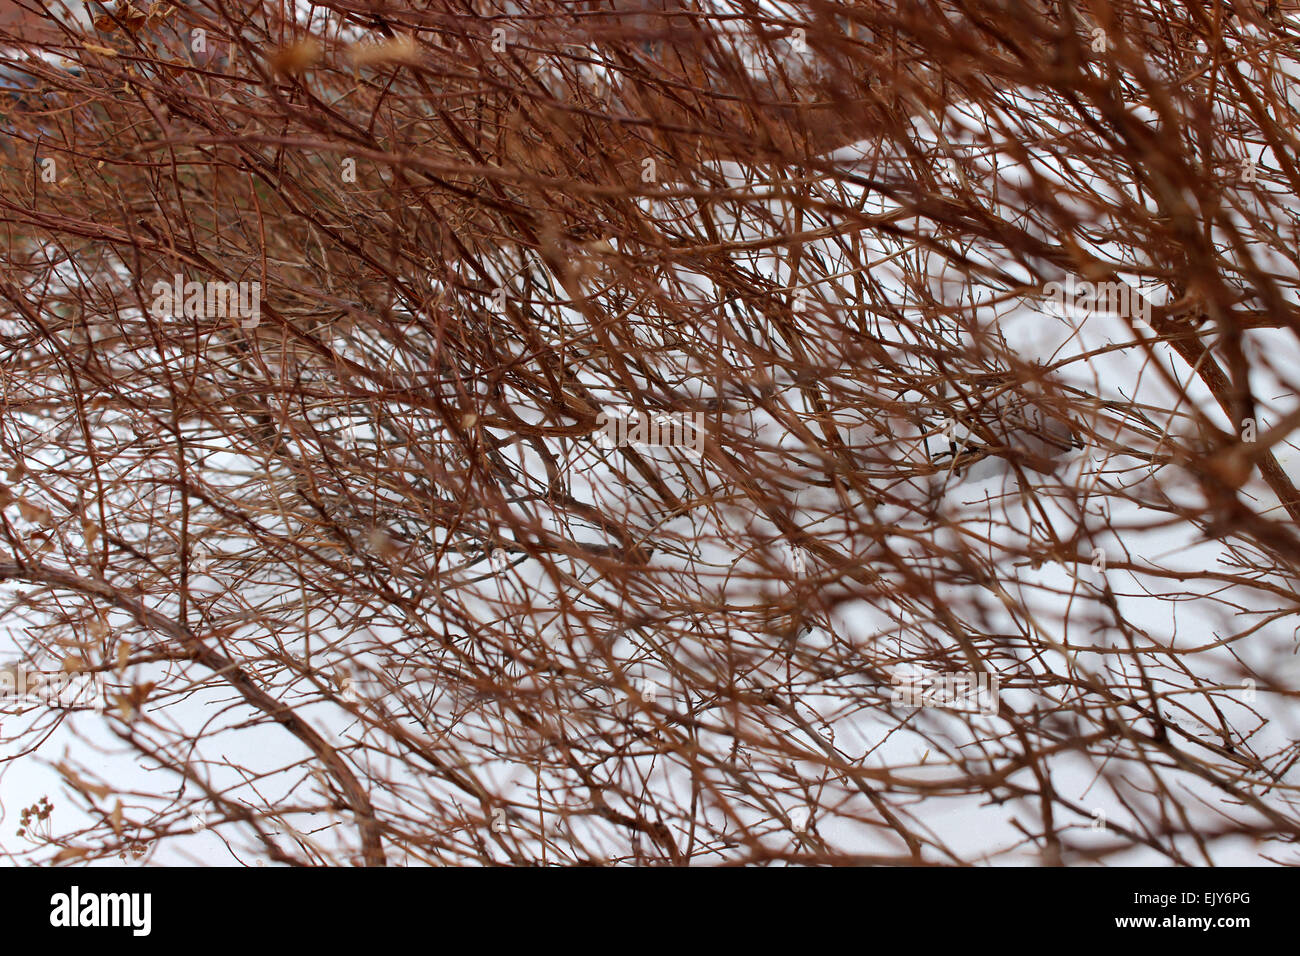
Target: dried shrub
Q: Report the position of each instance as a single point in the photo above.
(367, 582)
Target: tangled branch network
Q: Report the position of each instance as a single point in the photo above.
(649, 432)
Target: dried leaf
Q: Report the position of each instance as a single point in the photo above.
(296, 57)
(82, 786)
(125, 707)
(397, 50)
(74, 642)
(134, 18)
(35, 513)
